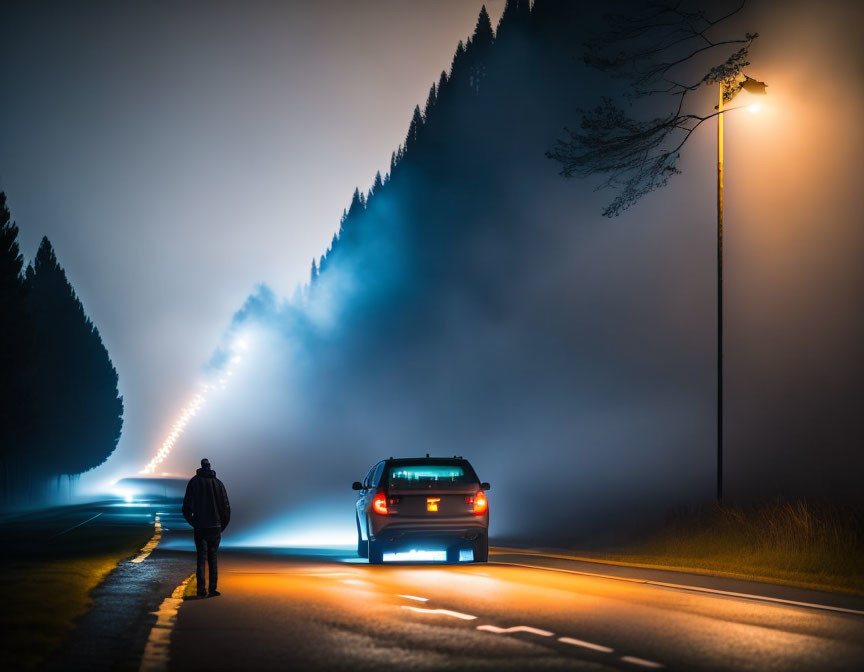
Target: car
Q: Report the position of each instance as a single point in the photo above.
(418, 505)
(149, 489)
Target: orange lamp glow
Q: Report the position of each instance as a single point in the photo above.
(432, 503)
(379, 504)
(480, 504)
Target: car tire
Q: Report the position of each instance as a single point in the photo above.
(362, 546)
(375, 552)
(481, 549)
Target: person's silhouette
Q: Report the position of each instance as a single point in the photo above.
(206, 508)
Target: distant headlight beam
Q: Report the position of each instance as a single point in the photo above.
(238, 348)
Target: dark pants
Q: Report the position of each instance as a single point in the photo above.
(206, 544)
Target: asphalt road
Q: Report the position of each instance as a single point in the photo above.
(333, 612)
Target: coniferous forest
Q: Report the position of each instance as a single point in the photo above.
(60, 409)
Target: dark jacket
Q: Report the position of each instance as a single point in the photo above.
(206, 502)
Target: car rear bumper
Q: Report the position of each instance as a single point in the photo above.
(437, 533)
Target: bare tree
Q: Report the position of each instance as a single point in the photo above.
(653, 50)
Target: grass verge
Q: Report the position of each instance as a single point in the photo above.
(46, 581)
(799, 543)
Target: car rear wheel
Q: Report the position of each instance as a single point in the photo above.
(362, 546)
(481, 549)
(375, 552)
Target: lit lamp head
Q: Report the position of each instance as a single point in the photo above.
(754, 86)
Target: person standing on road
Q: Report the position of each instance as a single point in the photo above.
(206, 508)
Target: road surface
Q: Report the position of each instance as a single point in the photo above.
(333, 612)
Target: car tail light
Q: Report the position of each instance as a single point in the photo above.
(379, 504)
(480, 503)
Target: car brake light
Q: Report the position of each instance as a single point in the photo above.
(379, 504)
(480, 503)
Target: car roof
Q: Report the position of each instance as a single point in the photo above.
(442, 460)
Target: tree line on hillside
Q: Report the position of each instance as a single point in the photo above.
(473, 302)
(429, 127)
(470, 302)
(60, 410)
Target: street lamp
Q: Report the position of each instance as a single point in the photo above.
(756, 87)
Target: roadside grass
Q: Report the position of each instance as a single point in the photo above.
(798, 543)
(46, 583)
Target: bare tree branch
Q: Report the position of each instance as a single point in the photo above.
(647, 49)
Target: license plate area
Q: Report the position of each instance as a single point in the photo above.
(430, 505)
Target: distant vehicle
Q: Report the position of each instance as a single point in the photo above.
(422, 505)
(146, 489)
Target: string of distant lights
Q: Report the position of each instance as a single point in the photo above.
(240, 346)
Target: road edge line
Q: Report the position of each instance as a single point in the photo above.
(151, 545)
(695, 589)
(157, 650)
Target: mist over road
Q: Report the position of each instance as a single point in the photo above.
(326, 611)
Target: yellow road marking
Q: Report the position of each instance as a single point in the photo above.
(150, 545)
(158, 648)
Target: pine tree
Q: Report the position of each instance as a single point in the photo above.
(342, 223)
(511, 10)
(431, 100)
(483, 36)
(357, 204)
(458, 58)
(442, 83)
(313, 274)
(414, 128)
(16, 353)
(516, 16)
(79, 410)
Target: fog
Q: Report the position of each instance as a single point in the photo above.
(178, 154)
(479, 305)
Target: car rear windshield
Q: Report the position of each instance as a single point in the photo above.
(420, 475)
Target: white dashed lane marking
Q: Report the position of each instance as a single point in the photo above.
(414, 597)
(641, 662)
(442, 612)
(497, 630)
(584, 644)
(516, 628)
(75, 527)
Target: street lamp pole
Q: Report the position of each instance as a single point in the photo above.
(753, 86)
(720, 294)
